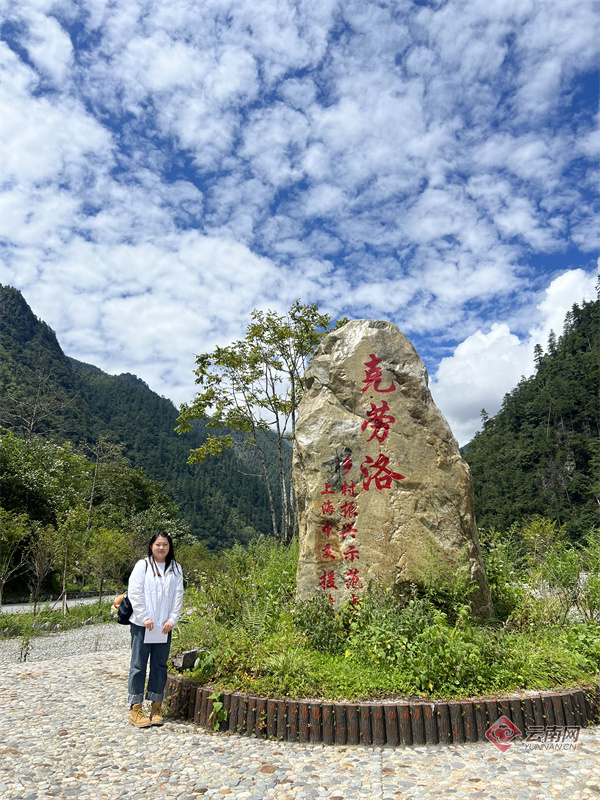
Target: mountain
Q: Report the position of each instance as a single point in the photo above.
(540, 454)
(43, 392)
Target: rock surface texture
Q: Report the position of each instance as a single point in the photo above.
(381, 487)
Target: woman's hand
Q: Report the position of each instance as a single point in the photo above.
(148, 624)
(168, 626)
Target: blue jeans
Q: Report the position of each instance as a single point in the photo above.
(140, 652)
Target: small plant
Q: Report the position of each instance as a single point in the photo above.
(588, 600)
(446, 582)
(504, 562)
(25, 644)
(218, 713)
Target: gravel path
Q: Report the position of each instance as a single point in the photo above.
(64, 734)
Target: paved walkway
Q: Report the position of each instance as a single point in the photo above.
(64, 734)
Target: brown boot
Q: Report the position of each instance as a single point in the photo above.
(155, 714)
(137, 716)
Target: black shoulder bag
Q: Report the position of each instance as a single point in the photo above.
(125, 609)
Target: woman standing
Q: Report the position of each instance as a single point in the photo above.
(156, 593)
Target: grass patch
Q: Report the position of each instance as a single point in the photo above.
(47, 621)
(255, 638)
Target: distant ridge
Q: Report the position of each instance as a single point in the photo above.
(223, 499)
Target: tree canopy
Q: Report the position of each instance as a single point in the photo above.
(253, 386)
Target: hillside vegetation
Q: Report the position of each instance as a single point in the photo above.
(46, 394)
(540, 454)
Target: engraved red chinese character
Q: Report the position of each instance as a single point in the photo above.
(379, 421)
(348, 530)
(374, 374)
(352, 580)
(355, 599)
(348, 509)
(327, 529)
(347, 465)
(351, 554)
(348, 489)
(327, 489)
(327, 580)
(327, 508)
(328, 552)
(382, 476)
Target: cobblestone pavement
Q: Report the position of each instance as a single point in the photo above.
(64, 733)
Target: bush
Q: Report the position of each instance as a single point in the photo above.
(254, 637)
(504, 562)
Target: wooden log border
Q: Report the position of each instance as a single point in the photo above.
(380, 724)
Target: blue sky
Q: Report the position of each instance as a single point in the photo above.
(168, 167)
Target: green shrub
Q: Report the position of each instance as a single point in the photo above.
(588, 600)
(504, 563)
(255, 638)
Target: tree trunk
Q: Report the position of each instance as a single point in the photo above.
(285, 514)
(35, 596)
(268, 484)
(64, 587)
(293, 510)
(89, 516)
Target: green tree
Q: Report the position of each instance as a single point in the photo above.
(253, 387)
(70, 548)
(39, 558)
(14, 529)
(103, 453)
(33, 404)
(41, 479)
(108, 553)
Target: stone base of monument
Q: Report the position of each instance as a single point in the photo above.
(381, 723)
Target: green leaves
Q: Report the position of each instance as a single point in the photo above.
(218, 713)
(254, 386)
(256, 638)
(14, 529)
(212, 447)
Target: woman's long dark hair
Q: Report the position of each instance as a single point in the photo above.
(170, 555)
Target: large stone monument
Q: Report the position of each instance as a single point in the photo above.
(381, 487)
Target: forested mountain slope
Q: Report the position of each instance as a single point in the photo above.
(45, 393)
(540, 454)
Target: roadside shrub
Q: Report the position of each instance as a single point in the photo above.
(49, 621)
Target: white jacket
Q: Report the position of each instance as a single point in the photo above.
(155, 597)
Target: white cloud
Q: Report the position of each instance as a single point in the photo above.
(169, 166)
(48, 45)
(138, 308)
(44, 139)
(485, 366)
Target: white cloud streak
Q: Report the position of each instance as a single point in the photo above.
(485, 366)
(169, 166)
